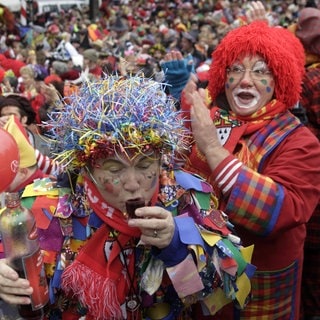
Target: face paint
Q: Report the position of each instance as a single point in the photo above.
(249, 85)
(154, 178)
(105, 184)
(120, 179)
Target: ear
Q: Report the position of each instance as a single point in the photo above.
(24, 172)
(24, 120)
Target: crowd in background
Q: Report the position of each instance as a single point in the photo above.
(63, 48)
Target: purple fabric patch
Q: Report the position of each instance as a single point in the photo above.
(51, 239)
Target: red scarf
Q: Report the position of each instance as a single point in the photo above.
(100, 283)
(262, 116)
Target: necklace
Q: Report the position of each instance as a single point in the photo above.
(133, 300)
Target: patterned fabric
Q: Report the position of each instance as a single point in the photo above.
(266, 202)
(310, 100)
(102, 274)
(266, 292)
(219, 266)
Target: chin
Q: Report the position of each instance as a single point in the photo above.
(244, 110)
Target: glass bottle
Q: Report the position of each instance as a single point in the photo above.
(22, 250)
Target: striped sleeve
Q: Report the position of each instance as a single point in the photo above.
(47, 165)
(226, 173)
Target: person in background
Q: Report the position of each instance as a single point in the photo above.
(90, 63)
(175, 256)
(30, 88)
(19, 106)
(307, 30)
(14, 104)
(189, 50)
(262, 162)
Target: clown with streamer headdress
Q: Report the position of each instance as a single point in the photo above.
(147, 241)
(117, 114)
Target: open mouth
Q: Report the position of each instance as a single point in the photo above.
(245, 96)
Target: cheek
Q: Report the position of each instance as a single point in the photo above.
(230, 83)
(111, 185)
(268, 85)
(154, 180)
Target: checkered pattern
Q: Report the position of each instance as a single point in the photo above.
(258, 196)
(274, 293)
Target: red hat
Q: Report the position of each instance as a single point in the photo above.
(308, 29)
(273, 44)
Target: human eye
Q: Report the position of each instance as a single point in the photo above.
(260, 69)
(145, 164)
(115, 169)
(112, 167)
(258, 72)
(236, 69)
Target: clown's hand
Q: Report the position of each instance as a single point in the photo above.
(13, 290)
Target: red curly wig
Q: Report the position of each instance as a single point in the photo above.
(281, 50)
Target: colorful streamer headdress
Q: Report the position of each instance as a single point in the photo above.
(117, 114)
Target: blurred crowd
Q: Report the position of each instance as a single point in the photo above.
(54, 53)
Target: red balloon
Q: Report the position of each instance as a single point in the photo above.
(9, 159)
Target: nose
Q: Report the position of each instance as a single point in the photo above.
(246, 80)
(131, 180)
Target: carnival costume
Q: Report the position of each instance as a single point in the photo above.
(114, 276)
(263, 185)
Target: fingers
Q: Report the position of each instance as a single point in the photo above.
(157, 226)
(7, 272)
(13, 290)
(199, 108)
(173, 55)
(16, 297)
(190, 88)
(256, 11)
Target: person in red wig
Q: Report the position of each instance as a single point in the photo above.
(262, 162)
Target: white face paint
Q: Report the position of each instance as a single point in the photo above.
(245, 99)
(249, 86)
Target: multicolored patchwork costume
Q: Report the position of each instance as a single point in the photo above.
(207, 251)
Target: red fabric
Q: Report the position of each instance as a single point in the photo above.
(293, 165)
(37, 103)
(52, 78)
(310, 296)
(11, 64)
(102, 275)
(96, 71)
